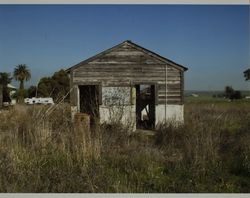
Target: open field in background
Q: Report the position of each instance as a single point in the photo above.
(209, 153)
(207, 96)
(217, 101)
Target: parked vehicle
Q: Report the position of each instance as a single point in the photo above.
(34, 100)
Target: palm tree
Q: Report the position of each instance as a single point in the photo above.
(21, 74)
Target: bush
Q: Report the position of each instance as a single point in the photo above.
(232, 94)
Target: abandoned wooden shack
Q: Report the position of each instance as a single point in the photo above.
(129, 84)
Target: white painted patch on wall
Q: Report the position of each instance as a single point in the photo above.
(73, 111)
(118, 114)
(116, 106)
(172, 113)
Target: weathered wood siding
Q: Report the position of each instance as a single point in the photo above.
(174, 90)
(126, 66)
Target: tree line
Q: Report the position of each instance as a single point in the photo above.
(56, 86)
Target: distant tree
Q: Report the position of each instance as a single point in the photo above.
(231, 94)
(228, 91)
(236, 95)
(61, 84)
(56, 86)
(31, 91)
(21, 74)
(24, 93)
(5, 79)
(247, 74)
(45, 87)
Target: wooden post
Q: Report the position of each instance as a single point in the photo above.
(82, 121)
(82, 132)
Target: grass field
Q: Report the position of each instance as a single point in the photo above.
(209, 153)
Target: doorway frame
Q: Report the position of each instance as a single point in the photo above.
(155, 84)
(99, 84)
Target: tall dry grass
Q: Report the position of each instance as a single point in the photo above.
(42, 151)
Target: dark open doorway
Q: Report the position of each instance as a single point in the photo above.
(89, 101)
(145, 106)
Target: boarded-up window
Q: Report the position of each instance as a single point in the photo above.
(116, 96)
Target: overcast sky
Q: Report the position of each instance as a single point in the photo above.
(212, 41)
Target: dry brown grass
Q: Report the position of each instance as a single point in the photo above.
(42, 151)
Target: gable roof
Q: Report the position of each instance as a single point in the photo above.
(150, 53)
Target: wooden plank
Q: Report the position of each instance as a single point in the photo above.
(118, 78)
(176, 85)
(169, 101)
(115, 84)
(178, 79)
(173, 91)
(161, 92)
(173, 76)
(171, 68)
(176, 93)
(125, 53)
(173, 82)
(116, 62)
(123, 71)
(171, 97)
(131, 58)
(174, 102)
(174, 98)
(162, 86)
(122, 75)
(97, 66)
